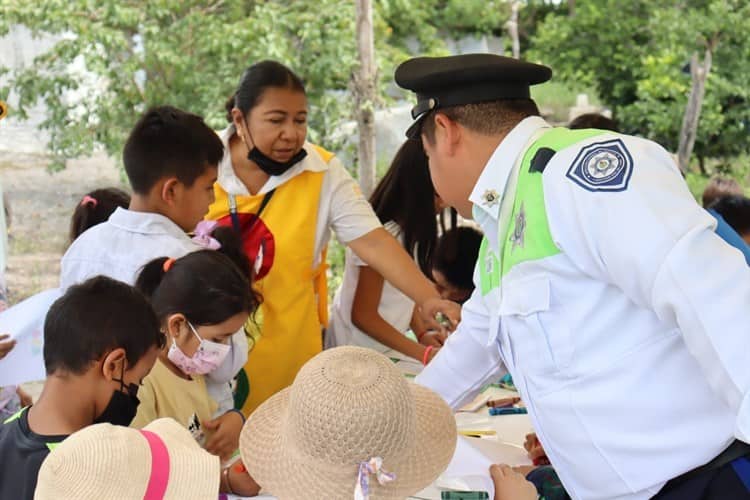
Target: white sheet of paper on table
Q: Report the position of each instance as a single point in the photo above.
(469, 470)
(25, 324)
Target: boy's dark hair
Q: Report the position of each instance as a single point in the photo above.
(487, 118)
(594, 120)
(96, 207)
(718, 187)
(255, 80)
(456, 255)
(205, 286)
(406, 196)
(94, 318)
(168, 142)
(736, 211)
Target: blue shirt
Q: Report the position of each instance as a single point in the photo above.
(728, 234)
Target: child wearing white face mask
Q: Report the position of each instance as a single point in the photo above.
(201, 300)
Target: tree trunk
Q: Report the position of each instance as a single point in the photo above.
(512, 25)
(698, 73)
(364, 96)
(571, 8)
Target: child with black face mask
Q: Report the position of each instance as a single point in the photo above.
(100, 340)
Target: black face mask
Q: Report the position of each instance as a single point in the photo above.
(122, 407)
(271, 166)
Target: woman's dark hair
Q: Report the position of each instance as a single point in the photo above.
(256, 79)
(735, 210)
(405, 195)
(456, 255)
(95, 207)
(205, 286)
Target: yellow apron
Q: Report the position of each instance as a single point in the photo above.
(294, 311)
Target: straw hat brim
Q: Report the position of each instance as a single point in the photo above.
(288, 476)
(105, 461)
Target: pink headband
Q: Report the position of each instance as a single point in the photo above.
(157, 483)
(88, 200)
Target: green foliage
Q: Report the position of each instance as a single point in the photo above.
(186, 53)
(635, 54)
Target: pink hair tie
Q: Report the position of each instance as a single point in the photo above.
(88, 200)
(167, 265)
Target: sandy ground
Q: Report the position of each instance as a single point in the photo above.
(41, 204)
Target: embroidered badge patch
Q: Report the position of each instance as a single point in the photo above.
(602, 166)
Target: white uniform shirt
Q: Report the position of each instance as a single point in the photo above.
(395, 307)
(119, 248)
(341, 208)
(630, 346)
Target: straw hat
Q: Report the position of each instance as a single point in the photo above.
(114, 462)
(346, 407)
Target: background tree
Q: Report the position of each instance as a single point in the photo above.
(365, 96)
(637, 60)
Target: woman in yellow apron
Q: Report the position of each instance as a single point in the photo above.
(284, 196)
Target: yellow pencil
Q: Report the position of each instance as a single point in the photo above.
(477, 432)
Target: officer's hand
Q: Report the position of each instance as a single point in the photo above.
(440, 315)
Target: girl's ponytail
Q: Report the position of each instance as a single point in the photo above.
(231, 246)
(151, 276)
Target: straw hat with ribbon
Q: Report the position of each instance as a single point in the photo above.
(350, 426)
(161, 461)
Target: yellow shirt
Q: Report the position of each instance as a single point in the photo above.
(165, 394)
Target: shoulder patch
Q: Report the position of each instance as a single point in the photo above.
(540, 160)
(602, 166)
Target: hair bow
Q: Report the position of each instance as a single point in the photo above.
(203, 234)
(372, 466)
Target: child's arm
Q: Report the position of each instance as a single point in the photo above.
(385, 255)
(366, 317)
(237, 481)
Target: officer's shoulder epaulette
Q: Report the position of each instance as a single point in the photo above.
(541, 159)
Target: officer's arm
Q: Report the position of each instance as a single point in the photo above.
(466, 363)
(651, 239)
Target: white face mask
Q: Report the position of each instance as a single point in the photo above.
(205, 360)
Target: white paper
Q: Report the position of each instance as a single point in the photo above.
(469, 470)
(25, 324)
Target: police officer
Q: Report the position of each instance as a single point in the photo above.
(601, 287)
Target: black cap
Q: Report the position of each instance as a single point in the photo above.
(442, 82)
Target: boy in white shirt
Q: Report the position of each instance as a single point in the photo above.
(171, 160)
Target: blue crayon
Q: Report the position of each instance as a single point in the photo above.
(508, 411)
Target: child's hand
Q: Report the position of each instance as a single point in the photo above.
(433, 338)
(431, 308)
(535, 450)
(6, 345)
(225, 439)
(510, 485)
